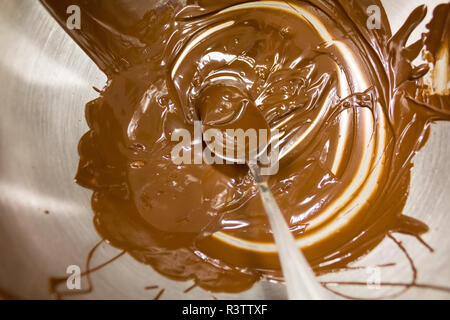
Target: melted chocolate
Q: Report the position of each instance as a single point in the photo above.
(353, 109)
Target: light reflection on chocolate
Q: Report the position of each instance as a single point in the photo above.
(353, 109)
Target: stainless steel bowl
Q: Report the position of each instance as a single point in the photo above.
(46, 219)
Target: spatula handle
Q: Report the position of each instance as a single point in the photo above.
(300, 280)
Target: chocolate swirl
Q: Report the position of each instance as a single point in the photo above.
(352, 107)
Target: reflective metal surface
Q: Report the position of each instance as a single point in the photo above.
(46, 219)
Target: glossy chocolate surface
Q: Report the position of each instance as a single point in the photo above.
(352, 107)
